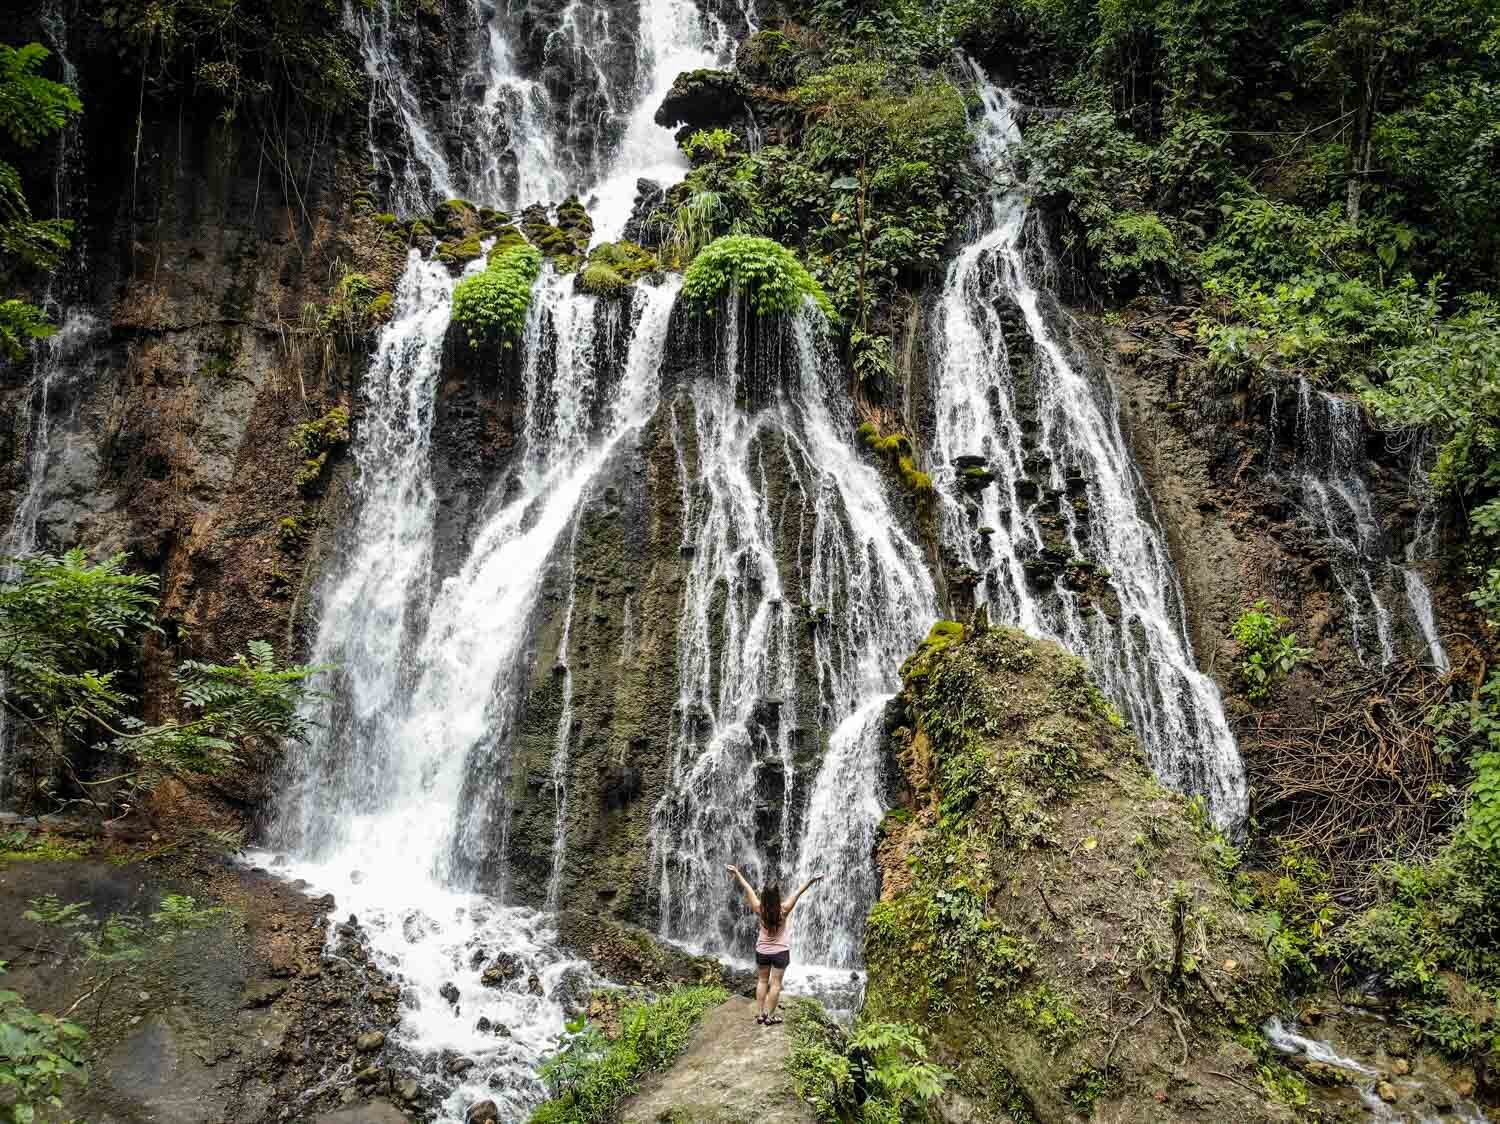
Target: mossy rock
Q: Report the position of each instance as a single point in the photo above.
(702, 99)
(1021, 925)
(461, 251)
(455, 217)
(613, 267)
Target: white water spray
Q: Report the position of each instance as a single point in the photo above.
(1066, 498)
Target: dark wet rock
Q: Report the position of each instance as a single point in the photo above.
(572, 991)
(642, 228)
(534, 984)
(501, 971)
(702, 99)
(262, 993)
(457, 1067)
(449, 991)
(484, 1112)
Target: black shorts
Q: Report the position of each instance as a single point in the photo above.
(773, 959)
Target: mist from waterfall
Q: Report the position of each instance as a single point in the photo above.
(1065, 497)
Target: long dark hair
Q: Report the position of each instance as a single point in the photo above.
(770, 908)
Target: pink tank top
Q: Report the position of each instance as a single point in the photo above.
(771, 943)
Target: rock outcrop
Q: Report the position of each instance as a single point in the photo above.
(1050, 914)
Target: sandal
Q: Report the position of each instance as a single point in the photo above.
(774, 1020)
(760, 1020)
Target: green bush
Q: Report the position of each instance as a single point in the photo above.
(877, 1072)
(491, 306)
(709, 143)
(1268, 653)
(591, 1074)
(765, 273)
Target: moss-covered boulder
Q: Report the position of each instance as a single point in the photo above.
(1054, 918)
(564, 242)
(614, 266)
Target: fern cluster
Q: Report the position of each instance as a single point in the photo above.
(763, 271)
(491, 306)
(65, 621)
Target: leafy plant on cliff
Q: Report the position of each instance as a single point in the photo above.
(591, 1072)
(1268, 653)
(491, 306)
(875, 1072)
(763, 272)
(64, 623)
(31, 108)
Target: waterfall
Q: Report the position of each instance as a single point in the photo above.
(57, 362)
(868, 600)
(1043, 508)
(391, 809)
(675, 37)
(546, 108)
(416, 169)
(1329, 443)
(61, 360)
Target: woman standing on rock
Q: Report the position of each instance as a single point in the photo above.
(772, 952)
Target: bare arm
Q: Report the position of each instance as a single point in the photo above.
(749, 890)
(806, 886)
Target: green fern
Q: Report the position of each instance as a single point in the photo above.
(31, 106)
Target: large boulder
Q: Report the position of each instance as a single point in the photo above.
(1050, 914)
(702, 99)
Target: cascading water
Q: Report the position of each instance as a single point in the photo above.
(1043, 506)
(578, 118)
(675, 37)
(868, 600)
(1329, 436)
(416, 168)
(57, 362)
(60, 360)
(400, 839)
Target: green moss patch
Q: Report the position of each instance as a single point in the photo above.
(614, 266)
(763, 271)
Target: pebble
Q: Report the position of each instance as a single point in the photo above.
(369, 1041)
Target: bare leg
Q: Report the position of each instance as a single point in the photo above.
(775, 996)
(760, 988)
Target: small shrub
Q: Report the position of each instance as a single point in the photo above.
(41, 1055)
(765, 272)
(613, 267)
(590, 1074)
(1268, 653)
(491, 306)
(877, 1072)
(713, 144)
